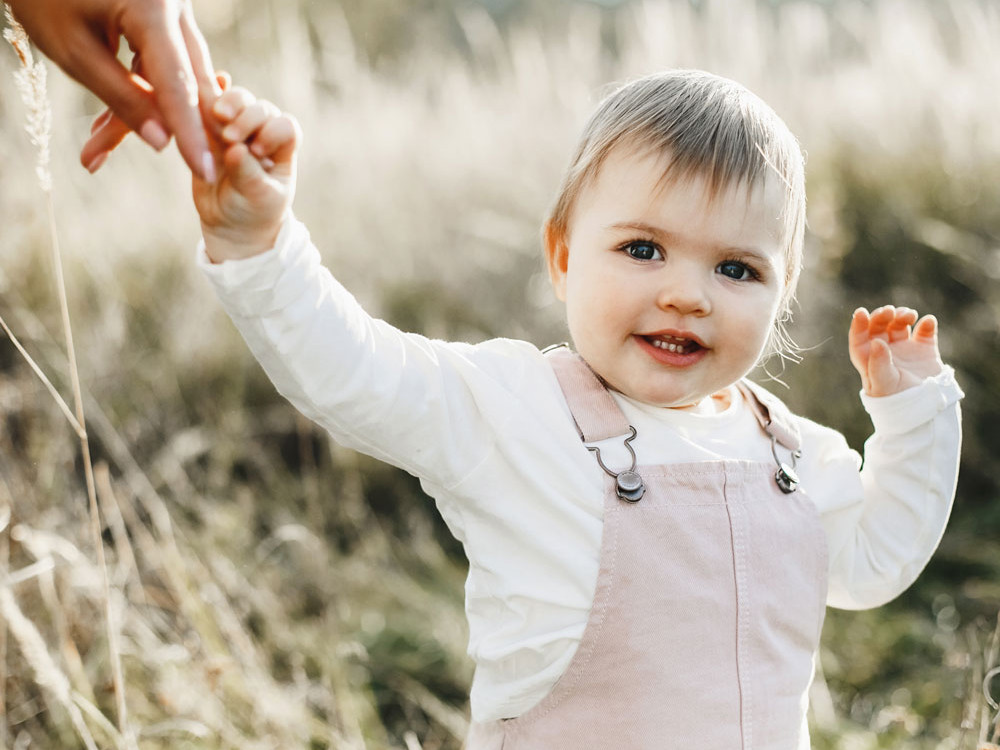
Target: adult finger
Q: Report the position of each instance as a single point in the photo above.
(109, 130)
(153, 29)
(107, 134)
(93, 64)
(84, 44)
(101, 120)
(209, 83)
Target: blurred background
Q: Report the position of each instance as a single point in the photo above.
(272, 590)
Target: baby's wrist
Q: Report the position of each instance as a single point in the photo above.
(226, 243)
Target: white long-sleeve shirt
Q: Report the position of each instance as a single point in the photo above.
(486, 429)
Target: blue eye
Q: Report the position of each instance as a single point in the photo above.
(737, 271)
(643, 251)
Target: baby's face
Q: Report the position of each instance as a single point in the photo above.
(670, 295)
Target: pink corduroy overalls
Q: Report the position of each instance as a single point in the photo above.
(709, 603)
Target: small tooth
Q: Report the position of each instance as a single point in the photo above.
(670, 346)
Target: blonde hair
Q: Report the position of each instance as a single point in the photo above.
(708, 126)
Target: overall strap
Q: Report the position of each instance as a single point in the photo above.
(774, 417)
(597, 415)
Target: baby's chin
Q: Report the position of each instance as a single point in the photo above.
(683, 390)
(711, 402)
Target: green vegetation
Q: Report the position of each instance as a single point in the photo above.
(274, 590)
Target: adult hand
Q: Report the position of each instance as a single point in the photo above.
(82, 37)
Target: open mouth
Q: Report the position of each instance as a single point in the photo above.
(674, 344)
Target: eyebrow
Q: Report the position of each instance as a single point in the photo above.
(660, 233)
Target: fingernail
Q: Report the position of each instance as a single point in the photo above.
(97, 161)
(230, 133)
(208, 168)
(154, 134)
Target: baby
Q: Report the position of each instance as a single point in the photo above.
(652, 538)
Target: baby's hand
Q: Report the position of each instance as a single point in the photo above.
(241, 213)
(892, 350)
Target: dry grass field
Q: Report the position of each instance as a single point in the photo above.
(265, 588)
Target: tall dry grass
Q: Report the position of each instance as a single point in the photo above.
(273, 590)
(30, 80)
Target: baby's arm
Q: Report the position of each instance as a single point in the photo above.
(892, 350)
(241, 213)
(884, 524)
(430, 407)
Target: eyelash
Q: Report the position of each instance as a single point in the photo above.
(753, 272)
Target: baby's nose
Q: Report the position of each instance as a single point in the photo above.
(684, 292)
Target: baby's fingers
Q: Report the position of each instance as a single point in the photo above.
(232, 101)
(899, 326)
(859, 342)
(926, 329)
(243, 169)
(859, 323)
(277, 139)
(880, 321)
(882, 374)
(250, 119)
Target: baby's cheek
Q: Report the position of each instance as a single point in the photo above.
(754, 336)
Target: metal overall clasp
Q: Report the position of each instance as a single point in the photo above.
(628, 484)
(785, 477)
(993, 703)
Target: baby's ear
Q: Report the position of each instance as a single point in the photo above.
(557, 257)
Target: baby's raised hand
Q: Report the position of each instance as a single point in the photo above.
(892, 350)
(241, 213)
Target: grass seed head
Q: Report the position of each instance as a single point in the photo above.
(30, 81)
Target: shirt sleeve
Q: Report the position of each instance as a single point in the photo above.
(428, 407)
(884, 522)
